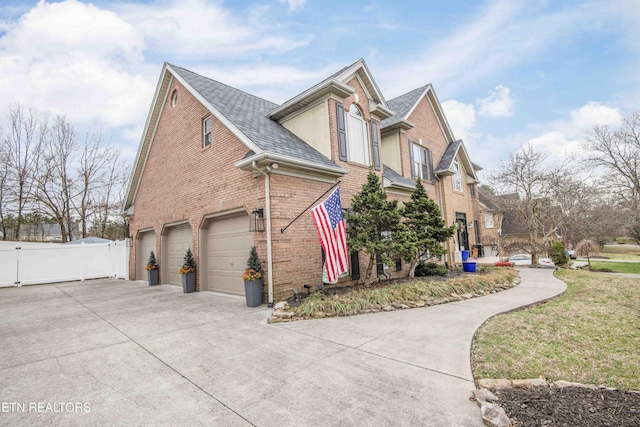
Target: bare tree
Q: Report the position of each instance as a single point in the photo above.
(543, 193)
(26, 132)
(617, 152)
(4, 187)
(55, 180)
(97, 162)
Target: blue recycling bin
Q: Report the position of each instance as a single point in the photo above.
(469, 267)
(465, 255)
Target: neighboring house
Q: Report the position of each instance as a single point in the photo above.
(489, 217)
(40, 233)
(213, 158)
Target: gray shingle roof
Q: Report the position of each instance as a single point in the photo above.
(448, 157)
(396, 178)
(403, 104)
(249, 114)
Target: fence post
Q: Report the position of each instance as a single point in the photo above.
(17, 282)
(84, 260)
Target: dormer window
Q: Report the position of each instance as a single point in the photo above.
(357, 137)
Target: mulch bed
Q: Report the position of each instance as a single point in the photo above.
(340, 290)
(570, 407)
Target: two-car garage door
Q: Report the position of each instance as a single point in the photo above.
(226, 243)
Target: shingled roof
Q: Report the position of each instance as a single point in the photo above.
(403, 104)
(249, 114)
(396, 179)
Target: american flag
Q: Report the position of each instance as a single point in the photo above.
(330, 223)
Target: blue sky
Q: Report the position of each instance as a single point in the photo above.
(506, 72)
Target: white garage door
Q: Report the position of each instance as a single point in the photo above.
(178, 240)
(228, 243)
(146, 243)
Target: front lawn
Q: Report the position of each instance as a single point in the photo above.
(617, 267)
(590, 334)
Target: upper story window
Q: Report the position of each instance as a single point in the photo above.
(472, 190)
(488, 220)
(206, 131)
(457, 177)
(174, 98)
(419, 161)
(357, 137)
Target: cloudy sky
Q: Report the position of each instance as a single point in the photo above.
(506, 71)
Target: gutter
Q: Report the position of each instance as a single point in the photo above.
(267, 198)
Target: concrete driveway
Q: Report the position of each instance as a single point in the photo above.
(117, 352)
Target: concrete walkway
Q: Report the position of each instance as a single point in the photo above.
(137, 355)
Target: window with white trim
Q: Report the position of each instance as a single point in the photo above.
(457, 177)
(206, 131)
(419, 162)
(357, 137)
(488, 220)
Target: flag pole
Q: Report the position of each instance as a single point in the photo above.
(307, 208)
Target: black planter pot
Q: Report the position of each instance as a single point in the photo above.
(153, 277)
(253, 292)
(188, 283)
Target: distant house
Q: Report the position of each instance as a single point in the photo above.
(214, 159)
(40, 233)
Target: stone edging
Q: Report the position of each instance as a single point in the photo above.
(282, 311)
(493, 415)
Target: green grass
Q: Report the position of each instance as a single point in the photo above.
(621, 249)
(589, 334)
(418, 292)
(618, 267)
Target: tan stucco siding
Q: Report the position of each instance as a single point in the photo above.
(391, 152)
(312, 126)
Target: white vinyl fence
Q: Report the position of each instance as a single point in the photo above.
(35, 263)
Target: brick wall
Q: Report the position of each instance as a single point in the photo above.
(182, 181)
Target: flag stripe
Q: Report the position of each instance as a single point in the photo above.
(331, 227)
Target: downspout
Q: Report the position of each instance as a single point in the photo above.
(267, 198)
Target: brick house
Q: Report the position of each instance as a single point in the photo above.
(213, 158)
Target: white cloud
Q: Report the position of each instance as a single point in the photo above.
(294, 4)
(462, 119)
(505, 34)
(564, 138)
(75, 59)
(498, 104)
(200, 29)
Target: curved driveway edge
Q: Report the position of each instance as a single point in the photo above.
(151, 355)
(436, 342)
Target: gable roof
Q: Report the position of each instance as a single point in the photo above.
(244, 114)
(404, 105)
(445, 167)
(487, 199)
(337, 84)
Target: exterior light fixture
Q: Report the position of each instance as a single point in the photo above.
(256, 220)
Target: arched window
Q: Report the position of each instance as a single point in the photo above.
(357, 137)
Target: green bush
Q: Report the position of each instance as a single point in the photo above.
(558, 254)
(430, 269)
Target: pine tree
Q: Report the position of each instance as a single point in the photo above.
(374, 224)
(253, 262)
(424, 222)
(152, 264)
(188, 264)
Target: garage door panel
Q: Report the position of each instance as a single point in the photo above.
(146, 243)
(178, 239)
(228, 243)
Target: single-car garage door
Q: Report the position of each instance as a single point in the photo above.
(178, 239)
(145, 244)
(228, 241)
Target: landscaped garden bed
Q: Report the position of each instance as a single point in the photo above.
(394, 295)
